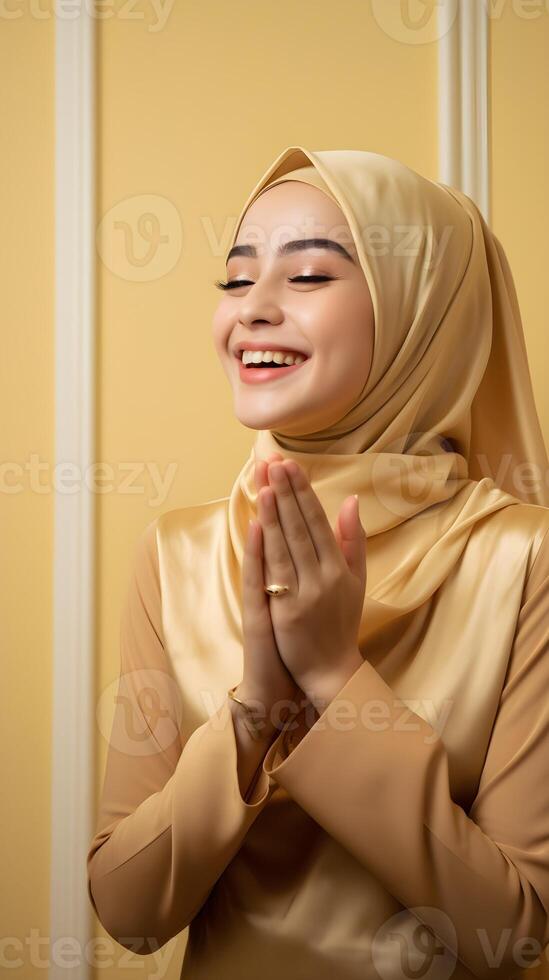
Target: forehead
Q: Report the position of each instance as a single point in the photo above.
(293, 209)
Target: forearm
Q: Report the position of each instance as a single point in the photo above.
(377, 780)
(152, 864)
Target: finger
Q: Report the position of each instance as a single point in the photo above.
(292, 521)
(352, 538)
(256, 616)
(260, 470)
(319, 527)
(279, 566)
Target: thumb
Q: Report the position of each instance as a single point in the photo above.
(351, 537)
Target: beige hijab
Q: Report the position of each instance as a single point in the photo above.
(445, 430)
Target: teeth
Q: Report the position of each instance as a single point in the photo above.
(269, 356)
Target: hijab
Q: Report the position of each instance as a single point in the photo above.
(445, 430)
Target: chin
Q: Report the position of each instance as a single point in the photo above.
(265, 420)
(253, 422)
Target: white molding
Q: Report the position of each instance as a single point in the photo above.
(73, 562)
(463, 99)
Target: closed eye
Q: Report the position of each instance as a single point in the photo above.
(235, 283)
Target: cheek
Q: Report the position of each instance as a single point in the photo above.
(221, 329)
(341, 331)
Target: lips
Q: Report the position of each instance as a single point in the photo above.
(261, 375)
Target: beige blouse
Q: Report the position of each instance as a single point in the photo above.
(403, 832)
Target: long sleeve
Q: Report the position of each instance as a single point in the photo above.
(479, 881)
(171, 816)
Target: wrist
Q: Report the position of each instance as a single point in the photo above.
(273, 713)
(258, 733)
(256, 723)
(321, 689)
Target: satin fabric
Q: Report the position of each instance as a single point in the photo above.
(349, 834)
(449, 372)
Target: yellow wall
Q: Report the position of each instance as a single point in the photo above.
(520, 161)
(27, 412)
(192, 111)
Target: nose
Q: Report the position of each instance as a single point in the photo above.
(259, 306)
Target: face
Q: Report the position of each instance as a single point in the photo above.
(326, 318)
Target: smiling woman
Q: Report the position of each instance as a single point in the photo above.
(277, 777)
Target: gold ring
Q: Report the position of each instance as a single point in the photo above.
(276, 589)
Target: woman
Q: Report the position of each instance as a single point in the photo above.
(346, 775)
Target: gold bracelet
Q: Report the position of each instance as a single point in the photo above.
(254, 730)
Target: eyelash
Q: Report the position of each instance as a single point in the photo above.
(246, 282)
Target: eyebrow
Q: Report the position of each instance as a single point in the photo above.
(297, 245)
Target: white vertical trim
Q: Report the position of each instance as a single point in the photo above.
(463, 99)
(73, 572)
(449, 128)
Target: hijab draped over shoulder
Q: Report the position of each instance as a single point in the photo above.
(445, 430)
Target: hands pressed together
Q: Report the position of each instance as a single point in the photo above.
(305, 640)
